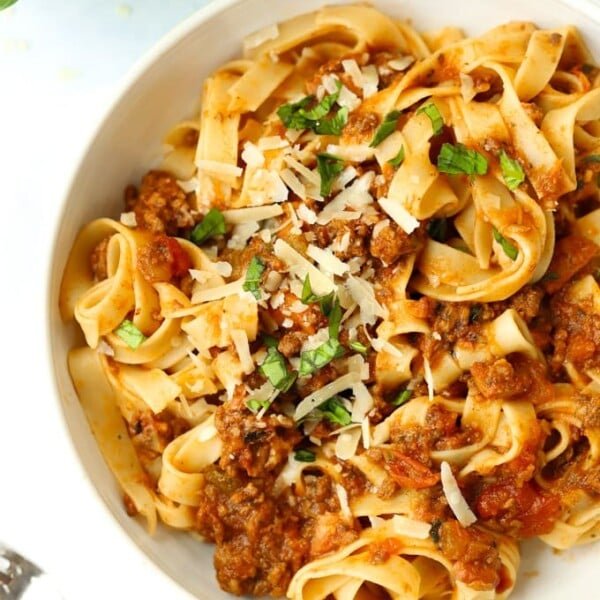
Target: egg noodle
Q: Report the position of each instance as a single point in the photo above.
(349, 331)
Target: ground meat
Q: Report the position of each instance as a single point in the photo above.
(255, 446)
(361, 127)
(346, 238)
(391, 243)
(474, 555)
(162, 258)
(290, 343)
(498, 379)
(259, 540)
(160, 206)
(98, 260)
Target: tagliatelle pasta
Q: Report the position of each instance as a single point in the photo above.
(349, 330)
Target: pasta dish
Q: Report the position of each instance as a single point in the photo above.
(348, 330)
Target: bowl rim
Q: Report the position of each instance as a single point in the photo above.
(121, 87)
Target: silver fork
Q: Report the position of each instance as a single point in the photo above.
(20, 579)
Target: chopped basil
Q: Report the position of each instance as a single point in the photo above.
(291, 116)
(397, 160)
(296, 116)
(269, 341)
(274, 368)
(328, 166)
(456, 159)
(313, 360)
(335, 318)
(303, 455)
(358, 347)
(6, 3)
(334, 125)
(509, 249)
(335, 412)
(550, 276)
(512, 171)
(255, 405)
(130, 334)
(435, 116)
(434, 532)
(389, 125)
(212, 224)
(402, 398)
(437, 229)
(474, 313)
(309, 297)
(253, 277)
(591, 158)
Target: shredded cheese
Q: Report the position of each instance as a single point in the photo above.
(252, 156)
(242, 347)
(402, 217)
(428, 378)
(346, 443)
(327, 391)
(363, 294)
(456, 500)
(411, 527)
(363, 402)
(301, 267)
(351, 67)
(343, 499)
(128, 219)
(237, 216)
(218, 292)
(327, 260)
(219, 168)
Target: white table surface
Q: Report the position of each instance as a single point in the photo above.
(60, 64)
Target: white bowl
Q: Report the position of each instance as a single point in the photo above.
(165, 88)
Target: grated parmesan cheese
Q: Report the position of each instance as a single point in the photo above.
(327, 391)
(237, 216)
(456, 500)
(219, 168)
(348, 99)
(306, 214)
(351, 67)
(411, 527)
(128, 219)
(370, 80)
(223, 268)
(241, 234)
(343, 499)
(105, 348)
(399, 64)
(301, 267)
(218, 292)
(252, 156)
(428, 378)
(467, 87)
(400, 215)
(363, 294)
(363, 402)
(327, 260)
(273, 142)
(288, 177)
(242, 347)
(346, 443)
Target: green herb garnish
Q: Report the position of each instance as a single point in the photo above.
(212, 224)
(303, 455)
(296, 116)
(591, 158)
(389, 125)
(512, 171)
(402, 398)
(397, 160)
(253, 277)
(435, 116)
(456, 159)
(550, 276)
(328, 166)
(474, 313)
(313, 360)
(509, 249)
(335, 318)
(274, 368)
(437, 229)
(6, 3)
(130, 334)
(269, 341)
(358, 347)
(334, 411)
(309, 297)
(255, 405)
(434, 532)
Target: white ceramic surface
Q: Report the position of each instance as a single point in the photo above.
(164, 88)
